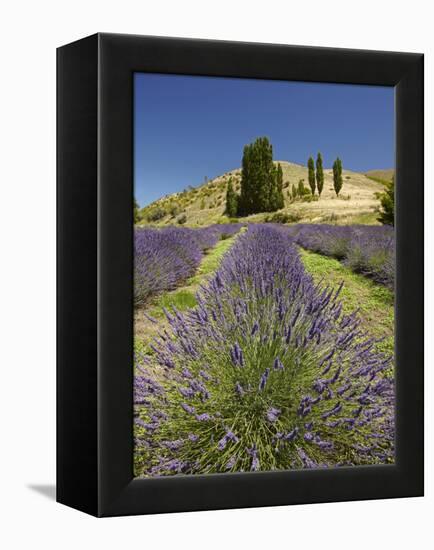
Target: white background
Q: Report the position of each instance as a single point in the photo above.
(30, 32)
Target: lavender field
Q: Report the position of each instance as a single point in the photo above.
(271, 369)
(369, 250)
(165, 257)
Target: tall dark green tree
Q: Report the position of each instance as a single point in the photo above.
(319, 174)
(311, 175)
(337, 176)
(276, 201)
(279, 187)
(387, 200)
(231, 201)
(257, 178)
(294, 191)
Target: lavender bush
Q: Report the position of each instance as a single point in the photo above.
(163, 258)
(265, 373)
(369, 250)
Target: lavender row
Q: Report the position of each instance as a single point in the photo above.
(266, 373)
(163, 258)
(369, 250)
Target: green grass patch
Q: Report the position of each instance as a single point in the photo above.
(375, 302)
(180, 299)
(366, 218)
(211, 261)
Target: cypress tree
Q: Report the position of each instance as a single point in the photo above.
(311, 174)
(276, 201)
(337, 176)
(257, 177)
(281, 200)
(319, 174)
(294, 191)
(231, 201)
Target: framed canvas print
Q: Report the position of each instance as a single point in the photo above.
(240, 275)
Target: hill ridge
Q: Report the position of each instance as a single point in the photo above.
(205, 203)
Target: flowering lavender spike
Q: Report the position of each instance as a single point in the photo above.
(336, 409)
(222, 443)
(264, 379)
(237, 355)
(288, 334)
(188, 408)
(231, 463)
(204, 417)
(291, 435)
(278, 365)
(239, 389)
(273, 414)
(307, 461)
(186, 392)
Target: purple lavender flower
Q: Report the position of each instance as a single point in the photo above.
(231, 463)
(290, 436)
(336, 409)
(278, 365)
(173, 445)
(204, 417)
(307, 461)
(253, 452)
(239, 389)
(186, 392)
(273, 414)
(188, 408)
(264, 379)
(237, 355)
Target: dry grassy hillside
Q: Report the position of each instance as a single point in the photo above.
(205, 205)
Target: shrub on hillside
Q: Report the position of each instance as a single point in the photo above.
(175, 211)
(156, 214)
(283, 217)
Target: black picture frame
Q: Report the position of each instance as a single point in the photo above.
(94, 251)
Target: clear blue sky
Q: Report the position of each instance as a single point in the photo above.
(189, 127)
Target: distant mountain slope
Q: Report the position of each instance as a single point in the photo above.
(205, 204)
(383, 175)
